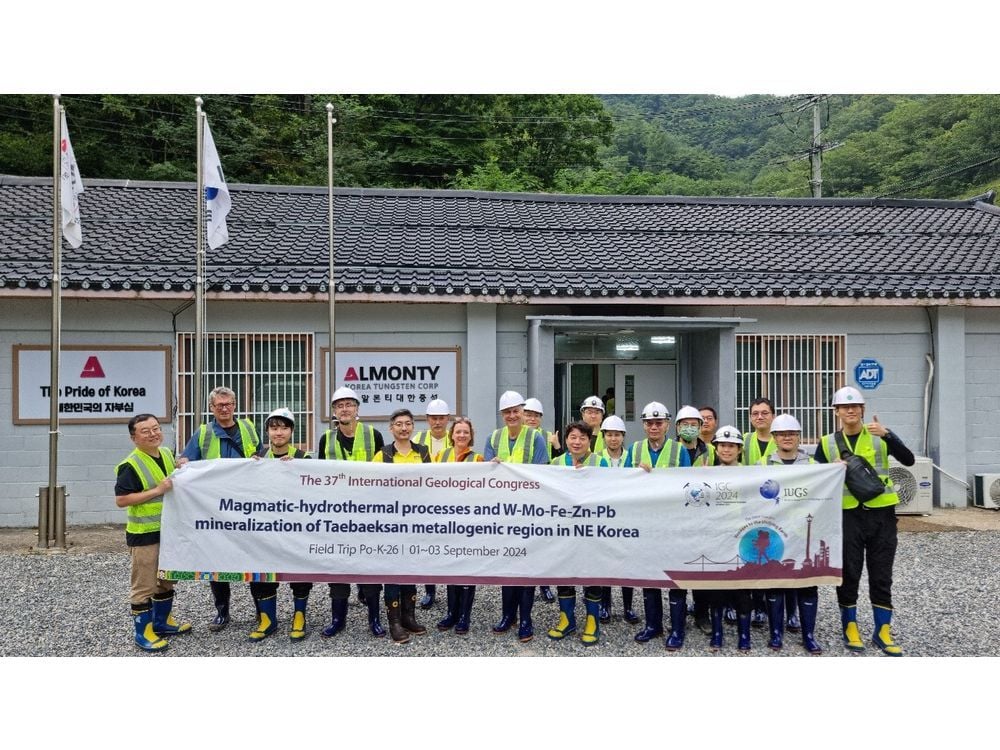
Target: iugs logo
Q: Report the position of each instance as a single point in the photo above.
(698, 494)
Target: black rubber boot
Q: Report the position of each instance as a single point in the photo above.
(652, 603)
(678, 618)
(776, 619)
(451, 617)
(427, 600)
(466, 595)
(629, 614)
(508, 609)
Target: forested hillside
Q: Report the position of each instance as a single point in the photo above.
(944, 146)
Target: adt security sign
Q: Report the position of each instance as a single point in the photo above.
(869, 374)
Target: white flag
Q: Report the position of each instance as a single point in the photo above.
(70, 187)
(216, 193)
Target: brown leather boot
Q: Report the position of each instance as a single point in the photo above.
(393, 614)
(409, 618)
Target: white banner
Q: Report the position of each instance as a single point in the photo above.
(342, 521)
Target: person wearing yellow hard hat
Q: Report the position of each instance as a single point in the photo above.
(869, 525)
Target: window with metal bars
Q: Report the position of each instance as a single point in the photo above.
(265, 370)
(799, 373)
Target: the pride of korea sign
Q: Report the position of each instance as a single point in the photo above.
(96, 383)
(308, 520)
(390, 379)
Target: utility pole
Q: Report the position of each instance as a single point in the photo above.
(816, 153)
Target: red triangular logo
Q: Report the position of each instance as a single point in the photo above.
(92, 369)
(351, 374)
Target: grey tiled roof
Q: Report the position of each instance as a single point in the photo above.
(446, 243)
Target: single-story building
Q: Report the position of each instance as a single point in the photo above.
(463, 295)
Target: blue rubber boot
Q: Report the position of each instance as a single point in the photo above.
(628, 613)
(546, 592)
(792, 623)
(776, 619)
(716, 616)
(808, 607)
(427, 600)
(849, 624)
(605, 604)
(145, 637)
(567, 618)
(466, 595)
(883, 631)
(743, 630)
(592, 628)
(374, 623)
(652, 603)
(298, 630)
(164, 622)
(267, 617)
(508, 609)
(525, 630)
(678, 618)
(451, 616)
(338, 618)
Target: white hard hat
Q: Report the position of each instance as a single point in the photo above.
(509, 399)
(689, 412)
(438, 408)
(785, 423)
(342, 393)
(283, 413)
(592, 402)
(655, 410)
(728, 434)
(613, 423)
(533, 404)
(848, 395)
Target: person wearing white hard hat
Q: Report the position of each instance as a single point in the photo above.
(350, 441)
(436, 440)
(728, 449)
(515, 442)
(688, 425)
(787, 434)
(869, 526)
(224, 437)
(613, 433)
(459, 598)
(578, 455)
(279, 426)
(592, 412)
(656, 451)
(533, 412)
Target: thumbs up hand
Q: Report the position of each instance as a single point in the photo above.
(877, 428)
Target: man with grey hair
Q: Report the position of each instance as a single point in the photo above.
(223, 437)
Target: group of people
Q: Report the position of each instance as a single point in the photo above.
(597, 439)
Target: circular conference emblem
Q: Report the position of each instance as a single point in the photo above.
(697, 493)
(761, 545)
(770, 490)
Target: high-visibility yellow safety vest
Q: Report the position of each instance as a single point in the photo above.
(524, 445)
(448, 456)
(362, 449)
(751, 449)
(707, 458)
(670, 454)
(424, 437)
(211, 446)
(144, 518)
(875, 451)
(592, 459)
(773, 459)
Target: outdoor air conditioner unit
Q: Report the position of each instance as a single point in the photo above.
(914, 485)
(986, 491)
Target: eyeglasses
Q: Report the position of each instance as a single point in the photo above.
(223, 405)
(149, 431)
(756, 414)
(402, 424)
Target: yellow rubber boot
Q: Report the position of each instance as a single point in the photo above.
(267, 618)
(592, 627)
(298, 630)
(849, 621)
(883, 632)
(145, 637)
(567, 618)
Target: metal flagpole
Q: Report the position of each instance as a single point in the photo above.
(332, 380)
(199, 274)
(47, 517)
